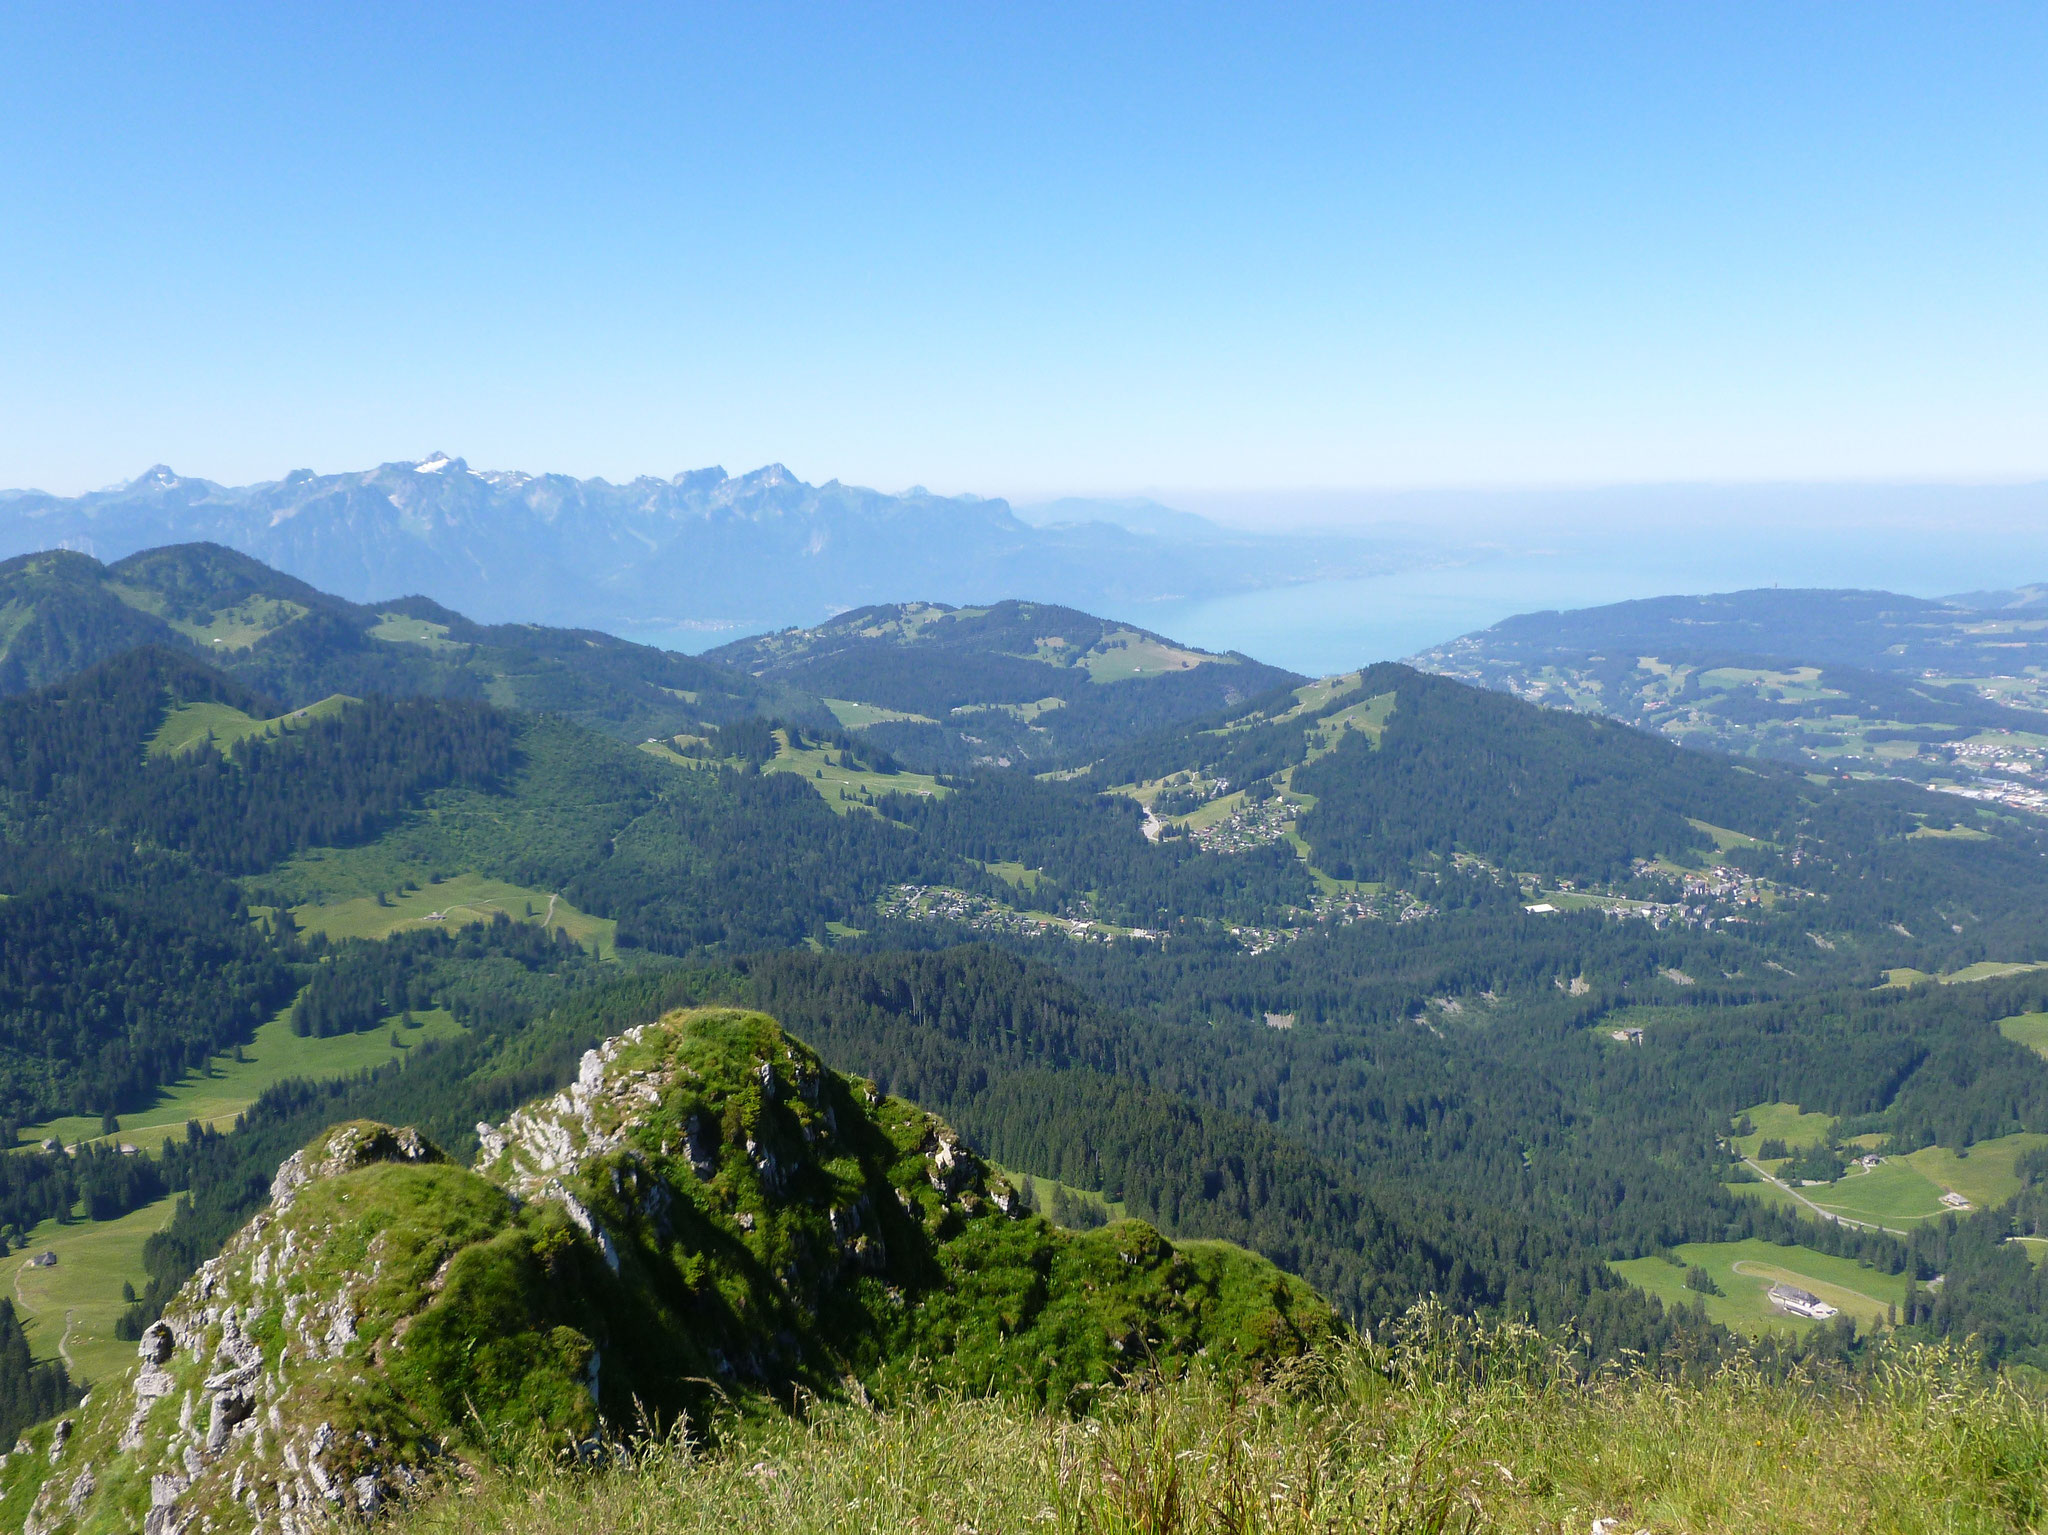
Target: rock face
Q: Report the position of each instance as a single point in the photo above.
(705, 1203)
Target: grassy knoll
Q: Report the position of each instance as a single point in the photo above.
(1745, 1272)
(1309, 697)
(1393, 1438)
(1125, 654)
(70, 1308)
(839, 782)
(273, 1056)
(456, 902)
(1782, 1122)
(2027, 1029)
(191, 727)
(855, 716)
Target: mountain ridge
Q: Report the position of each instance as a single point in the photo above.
(675, 555)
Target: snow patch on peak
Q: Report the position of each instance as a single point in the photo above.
(433, 463)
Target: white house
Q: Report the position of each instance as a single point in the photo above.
(1800, 1302)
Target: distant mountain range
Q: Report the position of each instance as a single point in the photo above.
(702, 553)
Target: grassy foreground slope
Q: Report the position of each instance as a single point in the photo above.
(1446, 1428)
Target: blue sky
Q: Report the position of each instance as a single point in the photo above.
(1029, 249)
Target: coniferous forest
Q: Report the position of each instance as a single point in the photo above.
(1332, 1031)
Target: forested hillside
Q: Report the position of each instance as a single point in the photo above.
(1014, 684)
(1416, 989)
(61, 612)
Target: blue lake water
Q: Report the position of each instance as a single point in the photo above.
(1332, 626)
(1686, 544)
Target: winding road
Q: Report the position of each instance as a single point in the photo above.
(1826, 1215)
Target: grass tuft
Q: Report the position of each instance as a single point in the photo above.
(1450, 1426)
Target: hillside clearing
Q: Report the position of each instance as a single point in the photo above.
(840, 781)
(456, 902)
(858, 716)
(1745, 1272)
(192, 727)
(69, 1309)
(275, 1055)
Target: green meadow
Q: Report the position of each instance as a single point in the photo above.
(189, 727)
(1783, 1122)
(69, 1309)
(840, 782)
(456, 902)
(1896, 1195)
(1987, 1174)
(2027, 1029)
(72, 1306)
(1745, 1271)
(229, 1086)
(1126, 654)
(1983, 970)
(856, 716)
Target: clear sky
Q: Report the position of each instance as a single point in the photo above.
(1028, 249)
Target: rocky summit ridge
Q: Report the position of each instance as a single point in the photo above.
(706, 1213)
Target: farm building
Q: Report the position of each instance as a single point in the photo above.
(1800, 1302)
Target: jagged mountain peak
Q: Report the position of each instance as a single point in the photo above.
(706, 1202)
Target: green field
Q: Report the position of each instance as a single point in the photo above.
(1724, 839)
(2027, 1029)
(1309, 697)
(843, 786)
(456, 902)
(2036, 1248)
(400, 629)
(189, 727)
(1368, 716)
(1784, 1122)
(1125, 654)
(1015, 874)
(232, 628)
(72, 1307)
(69, 1309)
(856, 716)
(1983, 970)
(1897, 1195)
(1987, 1176)
(1746, 1270)
(274, 1055)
